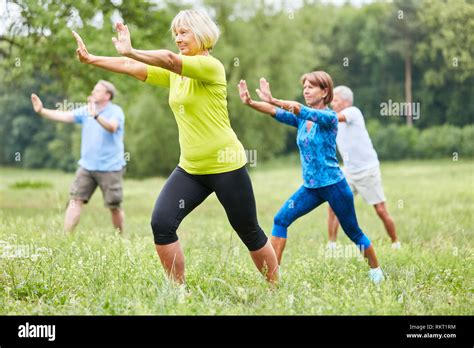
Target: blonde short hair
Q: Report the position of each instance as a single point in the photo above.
(109, 87)
(203, 27)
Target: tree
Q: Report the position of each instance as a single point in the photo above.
(405, 32)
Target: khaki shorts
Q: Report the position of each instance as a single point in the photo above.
(368, 183)
(110, 183)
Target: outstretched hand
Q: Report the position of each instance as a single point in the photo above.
(264, 92)
(244, 92)
(123, 42)
(37, 104)
(82, 53)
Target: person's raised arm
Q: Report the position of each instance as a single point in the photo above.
(161, 58)
(265, 94)
(262, 107)
(341, 117)
(321, 117)
(111, 125)
(121, 65)
(266, 108)
(54, 115)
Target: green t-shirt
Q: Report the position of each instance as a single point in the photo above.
(198, 100)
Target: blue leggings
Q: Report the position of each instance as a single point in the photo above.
(340, 198)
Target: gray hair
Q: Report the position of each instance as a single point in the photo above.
(345, 93)
(109, 87)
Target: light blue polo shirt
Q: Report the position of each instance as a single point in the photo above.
(101, 150)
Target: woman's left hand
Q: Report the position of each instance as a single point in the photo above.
(123, 42)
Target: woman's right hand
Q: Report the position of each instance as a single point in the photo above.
(82, 53)
(37, 104)
(244, 93)
(264, 92)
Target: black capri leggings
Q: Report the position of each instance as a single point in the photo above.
(183, 192)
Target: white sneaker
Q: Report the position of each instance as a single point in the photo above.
(396, 245)
(331, 246)
(376, 275)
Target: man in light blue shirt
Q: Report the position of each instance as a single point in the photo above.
(102, 152)
(361, 164)
(101, 149)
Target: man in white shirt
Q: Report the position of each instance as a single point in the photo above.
(361, 164)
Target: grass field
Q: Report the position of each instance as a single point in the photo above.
(95, 271)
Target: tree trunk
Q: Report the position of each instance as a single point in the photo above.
(408, 98)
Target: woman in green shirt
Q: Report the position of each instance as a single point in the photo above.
(212, 158)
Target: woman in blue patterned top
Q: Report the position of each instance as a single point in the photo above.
(323, 181)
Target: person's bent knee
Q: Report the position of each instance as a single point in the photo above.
(165, 240)
(380, 208)
(254, 240)
(278, 220)
(113, 201)
(163, 232)
(279, 231)
(280, 226)
(115, 210)
(362, 241)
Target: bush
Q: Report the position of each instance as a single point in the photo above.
(395, 142)
(30, 184)
(439, 141)
(467, 142)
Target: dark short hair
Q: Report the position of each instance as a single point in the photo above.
(322, 80)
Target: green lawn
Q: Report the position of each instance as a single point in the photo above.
(94, 271)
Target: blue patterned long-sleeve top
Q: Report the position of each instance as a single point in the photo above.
(317, 146)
